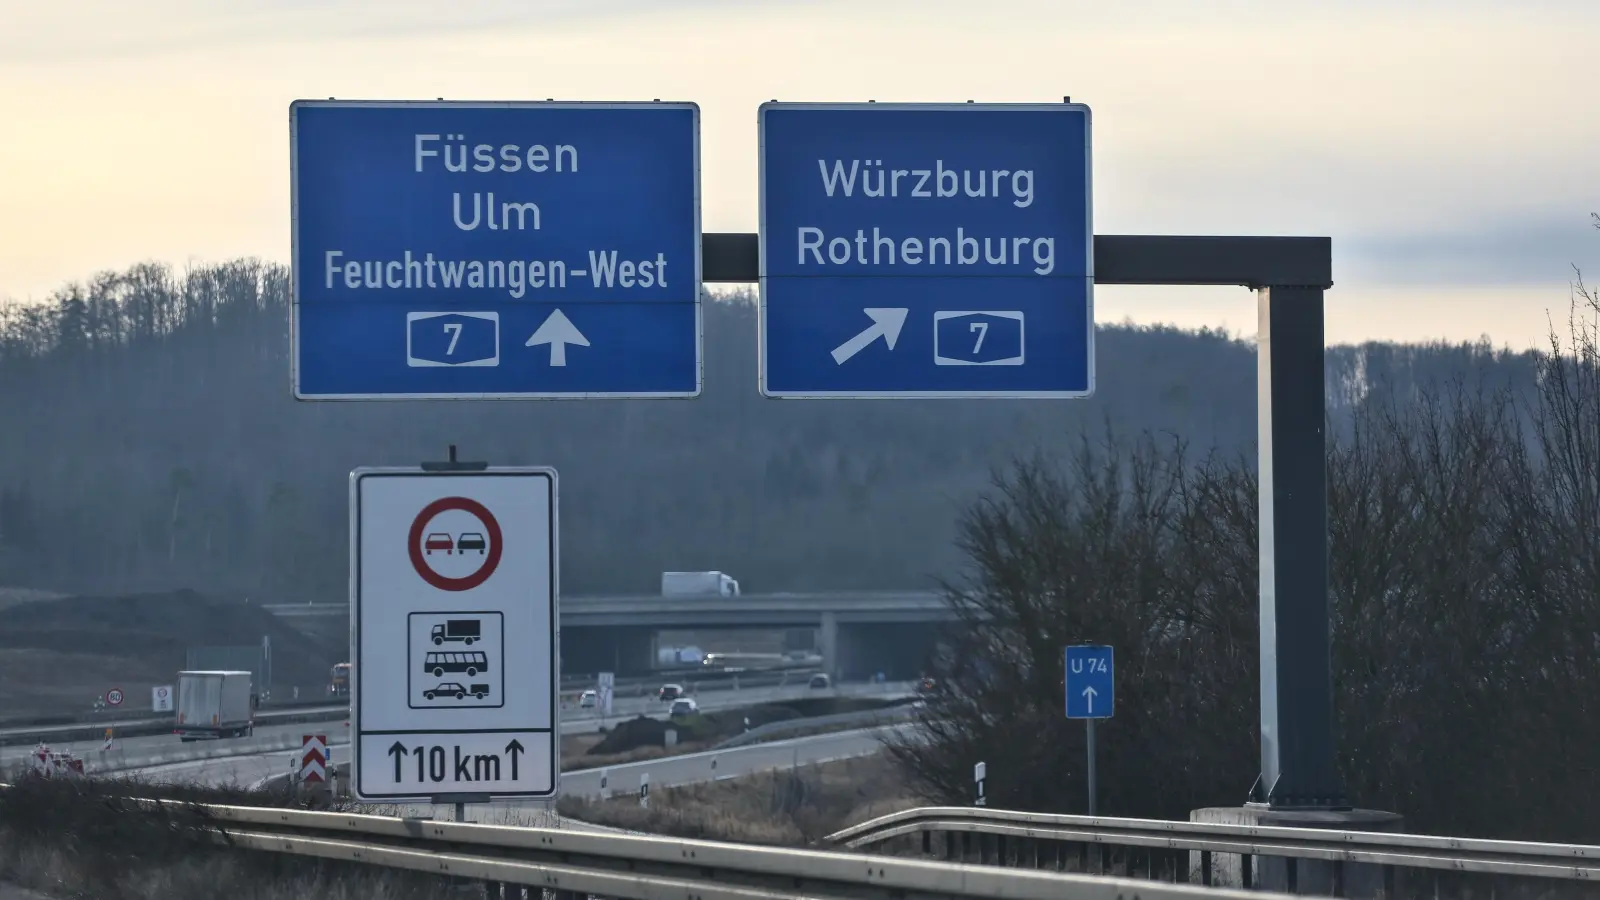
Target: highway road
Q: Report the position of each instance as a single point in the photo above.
(626, 688)
(574, 721)
(30, 733)
(623, 707)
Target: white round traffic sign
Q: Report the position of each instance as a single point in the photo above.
(455, 544)
(114, 697)
(161, 693)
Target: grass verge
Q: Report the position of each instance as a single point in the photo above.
(89, 838)
(785, 807)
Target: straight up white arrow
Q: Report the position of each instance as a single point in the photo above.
(557, 331)
(1088, 694)
(886, 323)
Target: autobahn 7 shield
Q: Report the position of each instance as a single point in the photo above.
(453, 629)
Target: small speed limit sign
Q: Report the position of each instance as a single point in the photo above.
(114, 697)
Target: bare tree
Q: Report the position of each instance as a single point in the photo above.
(1465, 586)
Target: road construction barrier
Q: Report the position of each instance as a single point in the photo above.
(102, 762)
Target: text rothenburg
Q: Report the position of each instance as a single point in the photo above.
(926, 250)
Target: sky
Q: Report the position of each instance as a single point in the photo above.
(1449, 147)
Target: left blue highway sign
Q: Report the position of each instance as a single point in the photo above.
(495, 250)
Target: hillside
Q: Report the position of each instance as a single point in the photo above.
(57, 655)
(152, 444)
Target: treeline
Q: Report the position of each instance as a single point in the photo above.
(1464, 581)
(148, 441)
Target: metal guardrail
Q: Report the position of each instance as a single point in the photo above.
(1019, 837)
(519, 862)
(148, 726)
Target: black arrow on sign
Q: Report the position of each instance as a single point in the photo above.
(398, 751)
(514, 750)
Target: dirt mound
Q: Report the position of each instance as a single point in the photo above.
(145, 638)
(646, 732)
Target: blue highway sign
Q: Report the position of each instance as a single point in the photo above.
(495, 250)
(926, 250)
(1091, 682)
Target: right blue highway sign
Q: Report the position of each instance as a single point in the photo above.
(1091, 682)
(926, 250)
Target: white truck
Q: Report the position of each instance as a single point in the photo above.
(680, 584)
(214, 705)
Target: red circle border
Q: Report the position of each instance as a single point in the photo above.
(426, 572)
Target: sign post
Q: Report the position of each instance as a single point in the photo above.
(608, 684)
(453, 250)
(114, 697)
(926, 250)
(454, 610)
(1091, 694)
(980, 774)
(161, 698)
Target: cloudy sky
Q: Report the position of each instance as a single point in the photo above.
(1450, 147)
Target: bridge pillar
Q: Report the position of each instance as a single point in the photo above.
(828, 644)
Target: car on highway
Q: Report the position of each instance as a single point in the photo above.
(588, 699)
(683, 706)
(670, 692)
(925, 686)
(820, 681)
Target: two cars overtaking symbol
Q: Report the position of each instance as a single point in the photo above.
(469, 540)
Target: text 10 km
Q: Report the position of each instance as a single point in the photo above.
(438, 764)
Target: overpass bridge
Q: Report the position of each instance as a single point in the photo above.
(858, 633)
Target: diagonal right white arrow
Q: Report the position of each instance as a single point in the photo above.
(886, 323)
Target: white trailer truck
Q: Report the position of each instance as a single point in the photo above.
(680, 584)
(214, 705)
